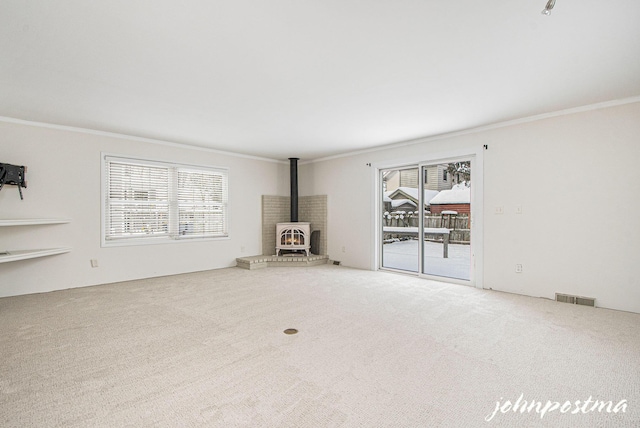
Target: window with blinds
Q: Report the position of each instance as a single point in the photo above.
(153, 201)
(202, 197)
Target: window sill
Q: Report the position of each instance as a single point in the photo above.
(155, 241)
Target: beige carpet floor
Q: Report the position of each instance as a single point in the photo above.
(374, 349)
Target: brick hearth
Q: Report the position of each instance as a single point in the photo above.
(257, 262)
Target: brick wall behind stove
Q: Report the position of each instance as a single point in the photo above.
(276, 209)
(314, 210)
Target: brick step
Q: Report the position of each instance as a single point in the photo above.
(257, 262)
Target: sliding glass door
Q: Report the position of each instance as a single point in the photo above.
(425, 215)
(400, 218)
(446, 241)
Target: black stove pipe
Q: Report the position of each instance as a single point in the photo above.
(293, 173)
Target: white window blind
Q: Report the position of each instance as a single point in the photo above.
(152, 200)
(202, 199)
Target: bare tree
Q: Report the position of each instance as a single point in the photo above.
(460, 171)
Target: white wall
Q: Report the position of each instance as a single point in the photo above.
(577, 177)
(64, 181)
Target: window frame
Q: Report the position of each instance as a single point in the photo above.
(173, 235)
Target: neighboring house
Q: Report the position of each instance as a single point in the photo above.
(457, 199)
(398, 204)
(406, 199)
(436, 178)
(396, 178)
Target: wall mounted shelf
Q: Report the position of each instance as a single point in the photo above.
(12, 256)
(32, 221)
(15, 255)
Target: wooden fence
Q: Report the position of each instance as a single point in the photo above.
(458, 224)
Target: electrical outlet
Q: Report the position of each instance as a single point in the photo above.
(518, 209)
(94, 263)
(499, 210)
(344, 250)
(518, 268)
(242, 249)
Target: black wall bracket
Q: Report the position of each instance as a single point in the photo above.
(13, 175)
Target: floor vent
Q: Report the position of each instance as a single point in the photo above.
(576, 300)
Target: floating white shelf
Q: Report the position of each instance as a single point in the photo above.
(15, 255)
(32, 221)
(12, 256)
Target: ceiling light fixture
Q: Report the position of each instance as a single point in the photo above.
(548, 7)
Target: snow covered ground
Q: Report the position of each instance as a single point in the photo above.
(403, 255)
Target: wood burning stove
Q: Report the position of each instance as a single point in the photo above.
(293, 237)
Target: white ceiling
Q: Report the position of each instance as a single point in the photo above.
(309, 79)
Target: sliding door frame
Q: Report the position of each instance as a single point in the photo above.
(475, 155)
